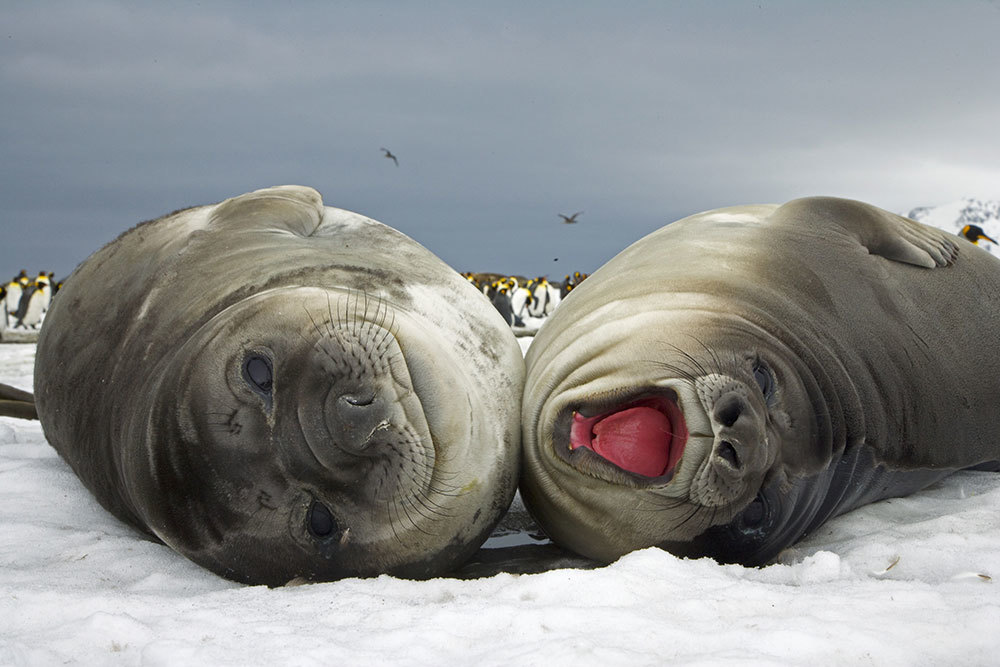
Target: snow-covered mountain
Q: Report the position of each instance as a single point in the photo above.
(953, 216)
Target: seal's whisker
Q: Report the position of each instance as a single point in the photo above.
(392, 520)
(439, 475)
(312, 320)
(401, 502)
(345, 320)
(442, 476)
(682, 372)
(403, 512)
(344, 301)
(359, 318)
(304, 339)
(661, 506)
(433, 507)
(430, 505)
(449, 493)
(329, 310)
(417, 510)
(668, 503)
(444, 489)
(382, 344)
(696, 367)
(384, 314)
(695, 510)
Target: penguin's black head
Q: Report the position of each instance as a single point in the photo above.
(975, 233)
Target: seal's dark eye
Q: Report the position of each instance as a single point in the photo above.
(320, 521)
(755, 512)
(257, 371)
(762, 375)
(359, 400)
(756, 519)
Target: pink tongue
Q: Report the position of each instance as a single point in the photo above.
(636, 439)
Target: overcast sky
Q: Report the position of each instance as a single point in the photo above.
(502, 115)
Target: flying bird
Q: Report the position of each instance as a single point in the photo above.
(389, 155)
(569, 220)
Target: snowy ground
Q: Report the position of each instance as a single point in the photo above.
(905, 582)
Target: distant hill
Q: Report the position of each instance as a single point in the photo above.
(952, 217)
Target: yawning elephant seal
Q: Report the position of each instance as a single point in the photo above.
(278, 389)
(730, 382)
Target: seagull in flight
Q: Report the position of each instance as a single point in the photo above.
(570, 219)
(389, 155)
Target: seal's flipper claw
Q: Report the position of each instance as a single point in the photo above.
(917, 249)
(919, 242)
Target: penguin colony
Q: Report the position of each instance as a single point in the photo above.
(26, 300)
(523, 302)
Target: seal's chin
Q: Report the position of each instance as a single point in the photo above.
(645, 437)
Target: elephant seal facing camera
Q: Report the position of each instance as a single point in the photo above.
(728, 383)
(282, 390)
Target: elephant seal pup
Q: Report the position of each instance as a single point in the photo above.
(728, 383)
(282, 390)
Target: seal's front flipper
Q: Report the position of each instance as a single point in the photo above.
(16, 403)
(293, 208)
(882, 233)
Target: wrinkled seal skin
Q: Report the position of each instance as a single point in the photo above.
(825, 354)
(277, 390)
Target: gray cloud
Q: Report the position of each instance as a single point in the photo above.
(502, 117)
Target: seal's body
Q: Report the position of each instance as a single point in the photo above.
(278, 389)
(730, 382)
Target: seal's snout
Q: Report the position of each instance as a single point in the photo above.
(353, 417)
(739, 430)
(353, 374)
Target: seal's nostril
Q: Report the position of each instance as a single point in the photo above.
(727, 452)
(728, 409)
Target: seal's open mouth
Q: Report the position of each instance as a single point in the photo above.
(645, 437)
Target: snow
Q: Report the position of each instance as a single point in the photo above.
(902, 582)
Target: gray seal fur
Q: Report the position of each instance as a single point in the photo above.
(280, 390)
(808, 358)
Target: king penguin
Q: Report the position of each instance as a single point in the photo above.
(975, 234)
(15, 288)
(34, 302)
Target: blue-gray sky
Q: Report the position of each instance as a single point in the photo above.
(502, 115)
